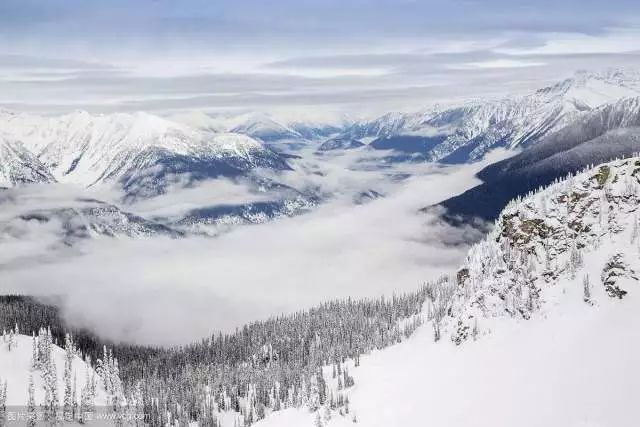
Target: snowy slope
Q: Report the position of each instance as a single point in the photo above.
(263, 127)
(538, 328)
(470, 130)
(19, 166)
(87, 149)
(340, 143)
(604, 133)
(15, 367)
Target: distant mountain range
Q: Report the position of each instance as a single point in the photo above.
(588, 118)
(142, 155)
(261, 126)
(465, 133)
(142, 152)
(607, 132)
(456, 134)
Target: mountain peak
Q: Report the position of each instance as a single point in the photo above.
(591, 89)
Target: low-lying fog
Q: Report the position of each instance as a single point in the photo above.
(168, 291)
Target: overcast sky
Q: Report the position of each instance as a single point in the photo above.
(355, 56)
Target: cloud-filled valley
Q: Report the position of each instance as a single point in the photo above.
(320, 212)
(175, 290)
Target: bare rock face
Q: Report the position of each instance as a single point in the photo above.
(539, 244)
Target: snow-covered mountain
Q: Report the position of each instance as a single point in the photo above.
(317, 130)
(599, 135)
(542, 312)
(340, 143)
(462, 133)
(584, 225)
(263, 127)
(19, 166)
(214, 219)
(90, 217)
(139, 150)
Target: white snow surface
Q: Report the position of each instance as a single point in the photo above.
(86, 149)
(560, 359)
(574, 367)
(15, 367)
(18, 165)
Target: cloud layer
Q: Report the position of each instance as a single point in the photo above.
(368, 56)
(167, 291)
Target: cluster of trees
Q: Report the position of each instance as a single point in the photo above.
(74, 405)
(270, 365)
(298, 360)
(32, 314)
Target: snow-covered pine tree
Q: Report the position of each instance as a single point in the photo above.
(12, 340)
(586, 289)
(35, 364)
(314, 394)
(3, 396)
(53, 385)
(322, 387)
(31, 404)
(74, 398)
(348, 379)
(67, 409)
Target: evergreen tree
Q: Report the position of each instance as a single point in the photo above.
(586, 289)
(314, 394)
(34, 353)
(31, 404)
(67, 378)
(3, 396)
(74, 398)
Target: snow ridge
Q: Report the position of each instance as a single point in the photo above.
(19, 166)
(544, 239)
(88, 149)
(474, 128)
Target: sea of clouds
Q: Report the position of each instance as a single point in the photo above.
(162, 290)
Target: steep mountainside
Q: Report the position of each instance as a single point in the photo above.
(340, 143)
(89, 217)
(543, 312)
(19, 166)
(544, 239)
(140, 150)
(460, 134)
(607, 132)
